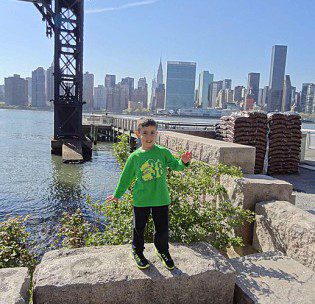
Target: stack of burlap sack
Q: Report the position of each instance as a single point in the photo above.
(284, 142)
(247, 128)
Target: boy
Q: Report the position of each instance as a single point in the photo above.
(150, 194)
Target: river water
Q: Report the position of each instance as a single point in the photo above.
(34, 182)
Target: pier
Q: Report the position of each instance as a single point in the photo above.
(109, 127)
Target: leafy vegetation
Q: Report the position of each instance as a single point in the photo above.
(15, 245)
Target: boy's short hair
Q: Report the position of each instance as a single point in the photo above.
(146, 122)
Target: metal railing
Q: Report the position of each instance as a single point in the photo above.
(130, 123)
(310, 138)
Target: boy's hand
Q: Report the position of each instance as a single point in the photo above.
(186, 157)
(111, 198)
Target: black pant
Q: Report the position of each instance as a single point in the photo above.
(160, 219)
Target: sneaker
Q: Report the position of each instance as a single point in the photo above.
(166, 259)
(141, 261)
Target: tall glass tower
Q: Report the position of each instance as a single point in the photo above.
(180, 85)
(205, 78)
(253, 85)
(277, 71)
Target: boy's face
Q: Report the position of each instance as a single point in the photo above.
(148, 136)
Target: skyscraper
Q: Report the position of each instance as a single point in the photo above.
(205, 78)
(29, 90)
(260, 96)
(293, 91)
(297, 101)
(153, 98)
(310, 99)
(264, 100)
(237, 95)
(141, 93)
(180, 85)
(277, 71)
(223, 98)
(160, 75)
(253, 85)
(215, 88)
(39, 98)
(15, 90)
(110, 82)
(88, 90)
(142, 83)
(99, 97)
(287, 93)
(227, 84)
(130, 82)
(160, 96)
(50, 83)
(302, 105)
(2, 93)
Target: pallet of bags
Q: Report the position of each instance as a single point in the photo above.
(284, 142)
(247, 128)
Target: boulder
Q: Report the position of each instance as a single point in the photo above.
(271, 278)
(281, 226)
(252, 189)
(107, 274)
(14, 285)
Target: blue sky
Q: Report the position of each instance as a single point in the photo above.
(127, 37)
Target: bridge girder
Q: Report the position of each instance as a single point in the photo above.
(65, 20)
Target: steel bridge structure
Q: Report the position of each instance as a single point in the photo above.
(64, 20)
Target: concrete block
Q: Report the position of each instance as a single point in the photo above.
(252, 189)
(271, 278)
(209, 150)
(14, 285)
(284, 227)
(106, 274)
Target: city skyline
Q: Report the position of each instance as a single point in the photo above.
(180, 84)
(135, 42)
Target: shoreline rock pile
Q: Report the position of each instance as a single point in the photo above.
(247, 128)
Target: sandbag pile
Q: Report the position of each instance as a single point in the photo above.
(284, 143)
(247, 128)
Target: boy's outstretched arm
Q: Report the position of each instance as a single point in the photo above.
(178, 164)
(125, 180)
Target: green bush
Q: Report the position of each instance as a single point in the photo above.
(15, 245)
(194, 214)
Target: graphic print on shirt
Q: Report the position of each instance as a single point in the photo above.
(152, 169)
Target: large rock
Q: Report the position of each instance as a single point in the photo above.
(252, 189)
(271, 278)
(14, 285)
(210, 151)
(107, 274)
(282, 226)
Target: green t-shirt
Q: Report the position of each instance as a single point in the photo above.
(148, 167)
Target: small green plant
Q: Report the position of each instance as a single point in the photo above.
(122, 149)
(73, 231)
(15, 244)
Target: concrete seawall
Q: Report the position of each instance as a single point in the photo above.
(210, 151)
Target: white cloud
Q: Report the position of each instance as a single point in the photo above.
(120, 7)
